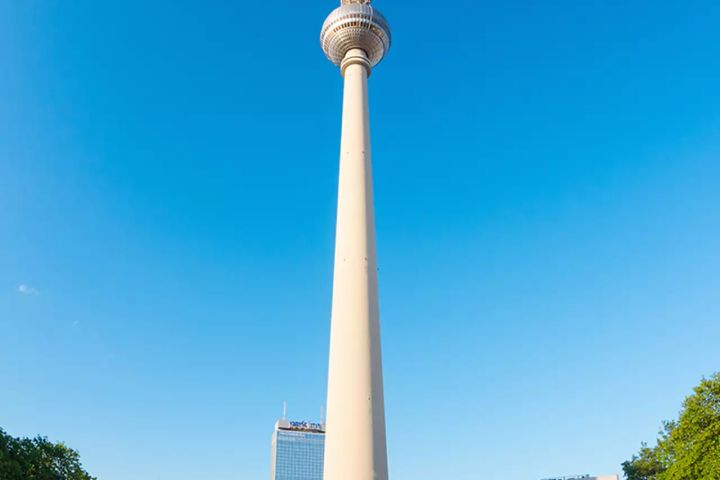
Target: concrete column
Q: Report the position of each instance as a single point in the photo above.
(355, 430)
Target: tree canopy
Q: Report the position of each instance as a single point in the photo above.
(38, 459)
(689, 448)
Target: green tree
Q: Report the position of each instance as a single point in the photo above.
(38, 459)
(689, 448)
(644, 466)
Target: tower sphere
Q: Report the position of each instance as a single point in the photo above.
(355, 24)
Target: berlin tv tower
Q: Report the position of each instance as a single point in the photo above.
(355, 37)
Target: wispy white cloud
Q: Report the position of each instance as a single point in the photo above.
(27, 290)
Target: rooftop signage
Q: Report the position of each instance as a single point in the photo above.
(301, 426)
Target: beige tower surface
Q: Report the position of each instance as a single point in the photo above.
(355, 37)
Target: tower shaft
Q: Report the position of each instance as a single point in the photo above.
(355, 437)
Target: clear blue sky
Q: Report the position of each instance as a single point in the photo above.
(548, 214)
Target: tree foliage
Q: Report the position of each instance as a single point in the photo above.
(644, 466)
(38, 459)
(689, 448)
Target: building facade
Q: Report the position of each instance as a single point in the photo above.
(297, 451)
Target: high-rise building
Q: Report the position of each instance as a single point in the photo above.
(355, 37)
(297, 451)
(585, 477)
